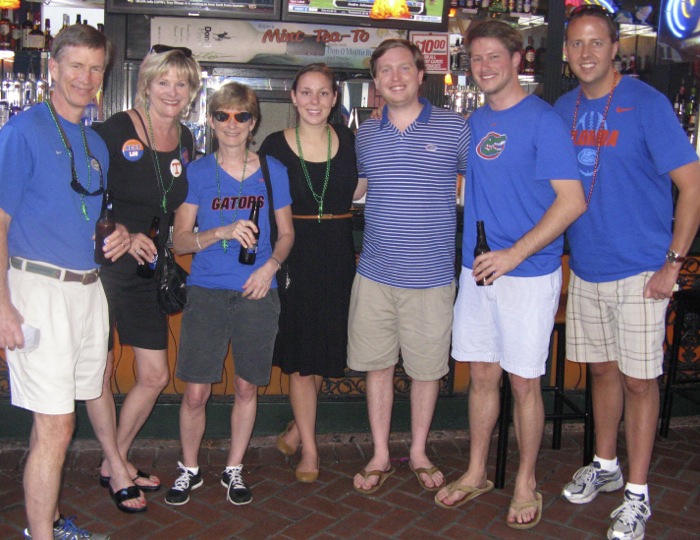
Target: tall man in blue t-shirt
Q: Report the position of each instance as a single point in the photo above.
(625, 255)
(404, 289)
(522, 182)
(54, 172)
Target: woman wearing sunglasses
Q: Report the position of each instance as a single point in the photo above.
(312, 342)
(149, 149)
(228, 301)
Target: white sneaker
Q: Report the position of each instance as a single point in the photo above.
(590, 480)
(630, 518)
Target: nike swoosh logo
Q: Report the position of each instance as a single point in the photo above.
(59, 152)
(623, 109)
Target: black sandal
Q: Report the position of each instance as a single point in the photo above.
(105, 480)
(127, 494)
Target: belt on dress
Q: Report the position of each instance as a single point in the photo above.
(323, 216)
(60, 274)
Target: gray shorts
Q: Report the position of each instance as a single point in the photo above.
(215, 317)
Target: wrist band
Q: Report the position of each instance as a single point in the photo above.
(279, 266)
(196, 239)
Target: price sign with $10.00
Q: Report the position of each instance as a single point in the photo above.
(435, 49)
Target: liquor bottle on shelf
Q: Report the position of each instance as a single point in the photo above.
(511, 6)
(147, 271)
(5, 30)
(28, 91)
(15, 96)
(42, 90)
(679, 104)
(534, 6)
(15, 32)
(66, 21)
(101, 27)
(527, 6)
(691, 109)
(454, 55)
(529, 58)
(27, 27)
(497, 6)
(36, 36)
(48, 38)
(78, 19)
(103, 228)
(481, 247)
(540, 55)
(518, 6)
(247, 255)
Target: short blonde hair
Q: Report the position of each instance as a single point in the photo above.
(235, 95)
(156, 65)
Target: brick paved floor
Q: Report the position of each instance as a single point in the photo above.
(329, 508)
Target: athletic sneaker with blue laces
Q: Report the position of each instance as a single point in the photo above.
(65, 529)
(591, 480)
(630, 518)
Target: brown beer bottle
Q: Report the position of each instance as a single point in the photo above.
(481, 246)
(247, 255)
(148, 270)
(103, 228)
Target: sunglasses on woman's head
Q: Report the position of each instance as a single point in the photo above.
(223, 116)
(159, 48)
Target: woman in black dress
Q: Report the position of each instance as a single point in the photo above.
(312, 339)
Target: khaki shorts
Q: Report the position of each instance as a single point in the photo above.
(613, 322)
(385, 319)
(70, 361)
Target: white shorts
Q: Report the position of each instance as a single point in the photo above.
(70, 361)
(509, 322)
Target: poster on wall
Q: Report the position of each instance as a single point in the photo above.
(287, 44)
(436, 50)
(237, 9)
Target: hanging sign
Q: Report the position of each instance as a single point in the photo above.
(278, 43)
(435, 49)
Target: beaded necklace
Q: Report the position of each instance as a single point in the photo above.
(317, 198)
(224, 242)
(64, 140)
(156, 162)
(598, 134)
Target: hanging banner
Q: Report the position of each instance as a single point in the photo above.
(435, 49)
(278, 43)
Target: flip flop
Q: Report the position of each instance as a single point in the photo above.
(430, 472)
(282, 445)
(471, 493)
(127, 494)
(536, 502)
(382, 475)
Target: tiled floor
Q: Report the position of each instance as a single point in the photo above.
(329, 508)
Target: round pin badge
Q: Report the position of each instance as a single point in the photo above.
(132, 149)
(176, 168)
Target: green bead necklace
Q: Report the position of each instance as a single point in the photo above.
(224, 242)
(83, 207)
(156, 162)
(318, 198)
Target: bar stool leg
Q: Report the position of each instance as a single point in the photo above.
(588, 421)
(503, 424)
(672, 368)
(560, 329)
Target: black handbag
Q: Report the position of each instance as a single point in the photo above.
(172, 283)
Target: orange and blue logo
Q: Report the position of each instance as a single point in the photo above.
(491, 146)
(132, 149)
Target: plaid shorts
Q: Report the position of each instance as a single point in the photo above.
(613, 322)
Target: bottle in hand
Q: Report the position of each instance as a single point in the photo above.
(103, 228)
(247, 255)
(147, 270)
(481, 246)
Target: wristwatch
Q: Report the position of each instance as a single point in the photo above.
(673, 257)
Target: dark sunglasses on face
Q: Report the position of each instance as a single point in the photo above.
(159, 48)
(223, 116)
(585, 9)
(75, 183)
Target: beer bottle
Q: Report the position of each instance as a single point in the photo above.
(247, 255)
(147, 270)
(103, 228)
(481, 246)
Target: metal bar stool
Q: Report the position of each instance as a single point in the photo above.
(561, 400)
(687, 304)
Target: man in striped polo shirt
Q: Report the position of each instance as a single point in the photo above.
(404, 290)
(523, 183)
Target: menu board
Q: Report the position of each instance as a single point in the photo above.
(231, 9)
(420, 14)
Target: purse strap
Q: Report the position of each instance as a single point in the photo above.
(271, 207)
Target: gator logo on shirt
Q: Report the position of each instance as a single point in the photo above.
(132, 149)
(491, 146)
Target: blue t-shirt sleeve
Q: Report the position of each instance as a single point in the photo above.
(17, 166)
(194, 170)
(556, 157)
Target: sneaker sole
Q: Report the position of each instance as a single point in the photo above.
(640, 537)
(238, 503)
(196, 486)
(605, 488)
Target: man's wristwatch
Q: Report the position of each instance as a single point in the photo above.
(673, 257)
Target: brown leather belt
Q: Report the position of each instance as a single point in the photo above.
(324, 216)
(57, 273)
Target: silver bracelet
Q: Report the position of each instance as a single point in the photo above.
(196, 239)
(279, 266)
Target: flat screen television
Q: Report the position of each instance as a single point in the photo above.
(421, 15)
(230, 9)
(679, 31)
